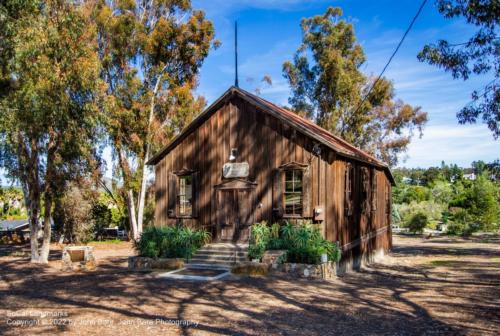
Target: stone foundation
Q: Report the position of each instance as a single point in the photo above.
(326, 270)
(147, 264)
(272, 256)
(250, 268)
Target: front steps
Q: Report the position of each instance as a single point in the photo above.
(219, 255)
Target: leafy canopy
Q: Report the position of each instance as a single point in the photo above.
(479, 55)
(328, 86)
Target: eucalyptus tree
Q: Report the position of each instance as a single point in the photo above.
(477, 55)
(49, 117)
(329, 87)
(151, 53)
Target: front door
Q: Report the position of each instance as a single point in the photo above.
(234, 214)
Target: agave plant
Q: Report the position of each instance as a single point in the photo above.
(288, 232)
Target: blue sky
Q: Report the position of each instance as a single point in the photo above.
(269, 33)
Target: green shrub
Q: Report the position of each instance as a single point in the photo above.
(303, 242)
(256, 251)
(260, 234)
(462, 223)
(418, 222)
(171, 242)
(275, 244)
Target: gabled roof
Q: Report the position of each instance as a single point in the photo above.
(310, 129)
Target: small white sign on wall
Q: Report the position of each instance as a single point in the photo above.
(236, 169)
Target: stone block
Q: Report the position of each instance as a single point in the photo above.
(146, 264)
(251, 268)
(272, 256)
(76, 258)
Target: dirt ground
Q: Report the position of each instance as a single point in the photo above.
(440, 286)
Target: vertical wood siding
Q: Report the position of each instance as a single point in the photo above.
(266, 143)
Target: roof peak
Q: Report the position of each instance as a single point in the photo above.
(306, 126)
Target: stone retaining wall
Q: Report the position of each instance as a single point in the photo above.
(147, 264)
(326, 270)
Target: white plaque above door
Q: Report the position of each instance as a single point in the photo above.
(236, 169)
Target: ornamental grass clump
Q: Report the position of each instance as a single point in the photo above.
(171, 242)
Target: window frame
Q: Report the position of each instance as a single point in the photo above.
(284, 181)
(374, 190)
(348, 192)
(179, 175)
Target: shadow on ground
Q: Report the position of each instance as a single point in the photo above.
(397, 298)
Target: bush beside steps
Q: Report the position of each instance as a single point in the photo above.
(167, 247)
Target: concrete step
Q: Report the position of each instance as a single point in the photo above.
(222, 254)
(198, 262)
(224, 247)
(211, 257)
(218, 256)
(209, 266)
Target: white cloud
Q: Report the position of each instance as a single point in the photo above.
(459, 144)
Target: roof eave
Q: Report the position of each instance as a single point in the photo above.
(226, 96)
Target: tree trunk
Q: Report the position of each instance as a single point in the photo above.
(33, 220)
(44, 251)
(132, 215)
(142, 194)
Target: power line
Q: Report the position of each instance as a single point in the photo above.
(485, 91)
(393, 54)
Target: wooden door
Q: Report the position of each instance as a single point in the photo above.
(235, 214)
(226, 214)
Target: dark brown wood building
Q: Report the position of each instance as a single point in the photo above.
(246, 160)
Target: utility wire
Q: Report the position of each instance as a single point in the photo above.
(393, 54)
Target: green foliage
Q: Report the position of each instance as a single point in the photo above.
(432, 210)
(482, 202)
(462, 223)
(478, 55)
(417, 222)
(73, 214)
(106, 212)
(12, 204)
(441, 192)
(256, 251)
(260, 234)
(171, 242)
(327, 85)
(303, 242)
(444, 195)
(151, 55)
(50, 109)
(416, 194)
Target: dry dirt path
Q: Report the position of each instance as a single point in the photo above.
(442, 286)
